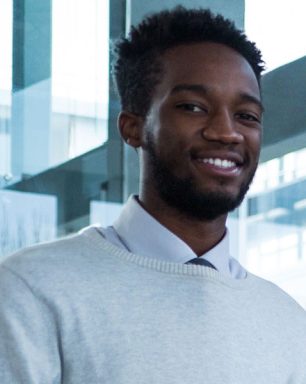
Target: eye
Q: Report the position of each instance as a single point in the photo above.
(191, 107)
(248, 117)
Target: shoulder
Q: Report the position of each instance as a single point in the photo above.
(279, 305)
(53, 250)
(56, 260)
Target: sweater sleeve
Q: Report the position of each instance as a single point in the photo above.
(29, 352)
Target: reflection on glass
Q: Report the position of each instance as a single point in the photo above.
(276, 223)
(26, 219)
(80, 57)
(45, 121)
(6, 20)
(282, 24)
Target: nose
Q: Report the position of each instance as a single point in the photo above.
(221, 126)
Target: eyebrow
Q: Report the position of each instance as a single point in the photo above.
(203, 90)
(252, 99)
(196, 88)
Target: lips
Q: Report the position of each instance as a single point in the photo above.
(223, 163)
(219, 162)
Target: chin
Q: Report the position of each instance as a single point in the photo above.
(200, 205)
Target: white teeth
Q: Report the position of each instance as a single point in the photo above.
(219, 163)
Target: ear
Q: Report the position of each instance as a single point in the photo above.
(130, 127)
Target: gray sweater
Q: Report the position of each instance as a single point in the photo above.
(82, 311)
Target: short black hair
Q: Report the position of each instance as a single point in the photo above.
(137, 65)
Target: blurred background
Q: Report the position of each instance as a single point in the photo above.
(63, 165)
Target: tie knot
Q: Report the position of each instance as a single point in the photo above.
(201, 261)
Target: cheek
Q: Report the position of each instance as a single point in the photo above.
(171, 136)
(169, 140)
(253, 141)
(173, 148)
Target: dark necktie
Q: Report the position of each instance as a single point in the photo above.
(200, 261)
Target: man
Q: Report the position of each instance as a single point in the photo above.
(125, 304)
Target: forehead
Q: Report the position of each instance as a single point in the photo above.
(210, 64)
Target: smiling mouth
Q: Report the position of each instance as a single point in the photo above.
(219, 162)
(216, 164)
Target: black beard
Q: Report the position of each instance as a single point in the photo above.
(183, 195)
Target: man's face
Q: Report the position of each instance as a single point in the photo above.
(203, 130)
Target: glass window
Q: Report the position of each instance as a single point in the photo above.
(277, 201)
(276, 26)
(6, 19)
(275, 244)
(54, 91)
(6, 23)
(80, 71)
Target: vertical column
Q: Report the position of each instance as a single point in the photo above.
(114, 190)
(31, 99)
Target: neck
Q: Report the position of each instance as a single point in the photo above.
(199, 235)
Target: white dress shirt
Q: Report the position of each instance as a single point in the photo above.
(138, 232)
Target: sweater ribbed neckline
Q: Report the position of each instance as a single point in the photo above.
(95, 238)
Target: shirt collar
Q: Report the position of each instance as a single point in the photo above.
(142, 234)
